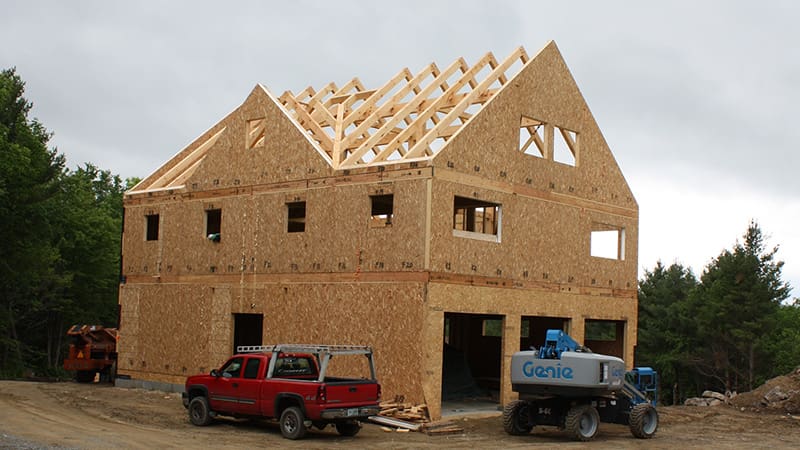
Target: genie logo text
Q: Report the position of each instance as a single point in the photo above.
(533, 371)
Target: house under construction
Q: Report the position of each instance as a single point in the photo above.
(447, 219)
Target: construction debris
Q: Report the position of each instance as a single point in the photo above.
(395, 422)
(442, 427)
(710, 398)
(781, 393)
(401, 415)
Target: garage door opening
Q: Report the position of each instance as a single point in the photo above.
(534, 329)
(247, 329)
(471, 358)
(606, 337)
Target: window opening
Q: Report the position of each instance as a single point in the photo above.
(476, 216)
(151, 225)
(382, 210)
(601, 330)
(214, 225)
(296, 217)
(607, 241)
(256, 132)
(531, 137)
(492, 327)
(565, 147)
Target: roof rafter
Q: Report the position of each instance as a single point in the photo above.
(409, 118)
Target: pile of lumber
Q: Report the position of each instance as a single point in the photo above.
(403, 417)
(399, 409)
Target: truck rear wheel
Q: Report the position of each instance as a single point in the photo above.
(350, 428)
(292, 426)
(84, 376)
(582, 422)
(644, 421)
(516, 418)
(199, 411)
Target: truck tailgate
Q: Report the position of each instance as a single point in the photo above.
(342, 392)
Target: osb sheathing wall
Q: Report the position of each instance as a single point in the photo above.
(547, 207)
(386, 316)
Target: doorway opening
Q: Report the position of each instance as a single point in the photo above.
(471, 357)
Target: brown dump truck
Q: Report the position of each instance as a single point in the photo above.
(92, 351)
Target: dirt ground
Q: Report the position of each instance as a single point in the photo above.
(71, 415)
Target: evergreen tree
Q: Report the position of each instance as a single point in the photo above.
(734, 307)
(665, 332)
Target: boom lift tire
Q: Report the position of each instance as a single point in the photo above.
(516, 419)
(644, 421)
(582, 422)
(199, 411)
(292, 426)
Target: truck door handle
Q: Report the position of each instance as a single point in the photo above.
(235, 384)
(353, 389)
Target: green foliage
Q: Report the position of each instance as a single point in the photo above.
(727, 332)
(665, 330)
(60, 254)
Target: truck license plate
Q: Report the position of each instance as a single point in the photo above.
(352, 412)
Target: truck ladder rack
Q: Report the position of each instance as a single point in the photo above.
(307, 348)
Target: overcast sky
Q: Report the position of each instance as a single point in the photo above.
(697, 100)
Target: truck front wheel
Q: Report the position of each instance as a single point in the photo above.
(582, 422)
(643, 421)
(199, 412)
(516, 418)
(292, 426)
(350, 428)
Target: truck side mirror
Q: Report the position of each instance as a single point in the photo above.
(214, 373)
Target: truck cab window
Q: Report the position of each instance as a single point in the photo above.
(251, 368)
(233, 369)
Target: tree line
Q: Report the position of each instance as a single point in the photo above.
(59, 241)
(730, 330)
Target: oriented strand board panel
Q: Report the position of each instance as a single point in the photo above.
(338, 235)
(197, 319)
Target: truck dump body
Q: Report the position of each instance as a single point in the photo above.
(93, 350)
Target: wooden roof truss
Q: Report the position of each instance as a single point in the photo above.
(410, 118)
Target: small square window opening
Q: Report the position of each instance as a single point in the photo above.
(382, 210)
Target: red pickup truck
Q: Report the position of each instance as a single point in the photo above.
(287, 382)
